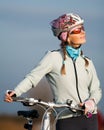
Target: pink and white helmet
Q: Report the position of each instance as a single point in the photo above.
(65, 23)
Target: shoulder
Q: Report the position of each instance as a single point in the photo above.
(90, 62)
(86, 60)
(54, 52)
(86, 57)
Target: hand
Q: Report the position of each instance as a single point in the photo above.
(8, 96)
(89, 106)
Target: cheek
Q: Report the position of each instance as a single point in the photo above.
(74, 39)
(77, 39)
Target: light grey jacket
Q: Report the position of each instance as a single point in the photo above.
(64, 86)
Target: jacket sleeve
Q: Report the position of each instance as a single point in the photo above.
(33, 78)
(94, 88)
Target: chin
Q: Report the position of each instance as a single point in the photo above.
(75, 45)
(83, 42)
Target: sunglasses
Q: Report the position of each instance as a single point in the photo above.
(77, 30)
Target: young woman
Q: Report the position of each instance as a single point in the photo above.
(71, 75)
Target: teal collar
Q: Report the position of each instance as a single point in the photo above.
(72, 52)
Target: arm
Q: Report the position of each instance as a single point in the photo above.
(94, 88)
(32, 79)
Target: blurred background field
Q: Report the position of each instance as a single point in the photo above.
(13, 122)
(10, 122)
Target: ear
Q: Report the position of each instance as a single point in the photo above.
(63, 36)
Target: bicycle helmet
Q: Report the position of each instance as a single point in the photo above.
(65, 23)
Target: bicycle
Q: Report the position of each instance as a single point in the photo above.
(48, 107)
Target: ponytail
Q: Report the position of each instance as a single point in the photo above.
(63, 46)
(86, 61)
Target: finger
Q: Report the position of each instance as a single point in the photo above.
(12, 93)
(86, 111)
(7, 100)
(8, 97)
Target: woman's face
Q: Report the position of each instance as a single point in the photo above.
(76, 37)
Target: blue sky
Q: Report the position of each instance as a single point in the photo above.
(25, 35)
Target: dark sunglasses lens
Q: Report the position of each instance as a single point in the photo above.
(77, 30)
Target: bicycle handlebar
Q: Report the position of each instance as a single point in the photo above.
(33, 101)
(68, 104)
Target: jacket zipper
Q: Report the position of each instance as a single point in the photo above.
(76, 77)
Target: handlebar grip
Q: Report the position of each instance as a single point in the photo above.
(17, 98)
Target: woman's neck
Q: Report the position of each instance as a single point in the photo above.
(75, 46)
